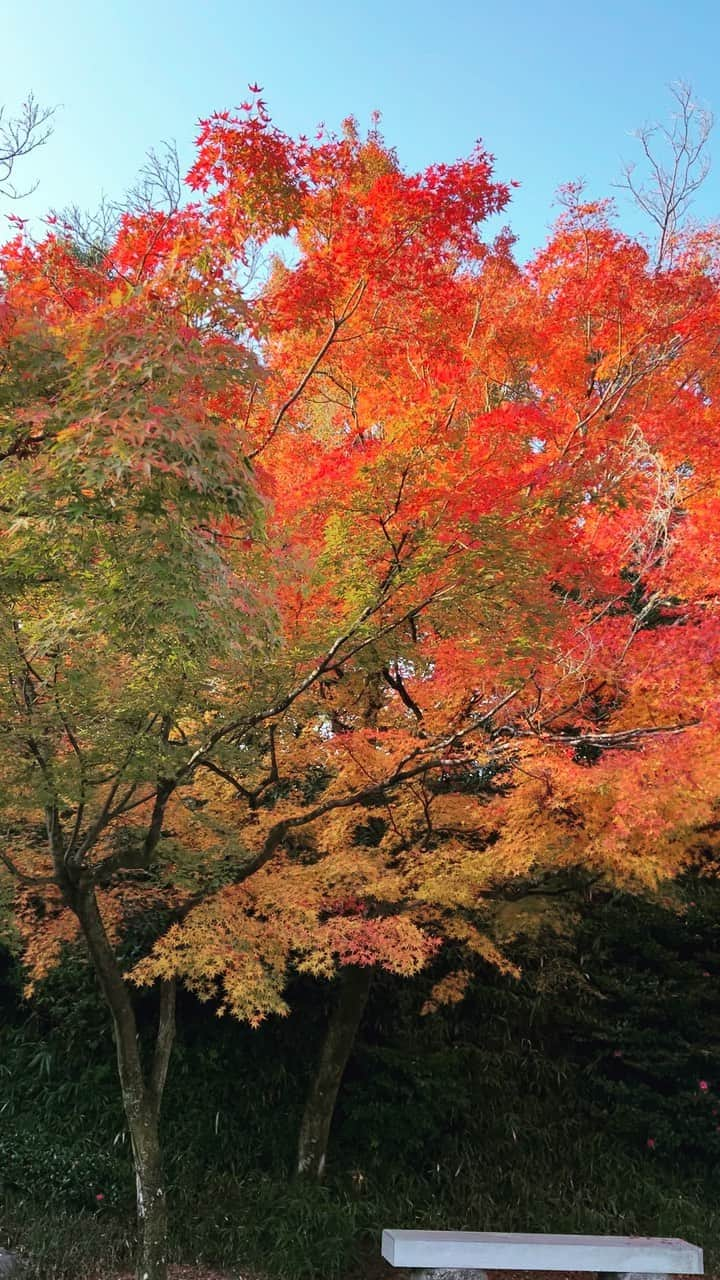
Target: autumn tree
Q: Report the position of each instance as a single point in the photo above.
(142, 632)
(592, 443)
(291, 540)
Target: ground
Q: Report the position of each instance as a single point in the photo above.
(190, 1273)
(202, 1273)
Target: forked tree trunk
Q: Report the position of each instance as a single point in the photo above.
(354, 988)
(141, 1091)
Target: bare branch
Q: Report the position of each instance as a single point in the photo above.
(159, 182)
(677, 163)
(20, 135)
(91, 233)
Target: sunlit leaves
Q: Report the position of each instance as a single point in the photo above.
(380, 569)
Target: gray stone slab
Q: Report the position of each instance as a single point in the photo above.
(478, 1250)
(11, 1268)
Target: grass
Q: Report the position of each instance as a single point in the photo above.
(266, 1226)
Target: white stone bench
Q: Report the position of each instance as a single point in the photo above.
(451, 1252)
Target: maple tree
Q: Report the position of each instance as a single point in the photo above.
(343, 591)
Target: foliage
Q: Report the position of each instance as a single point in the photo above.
(421, 513)
(353, 594)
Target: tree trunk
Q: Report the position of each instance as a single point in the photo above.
(141, 1092)
(151, 1262)
(337, 1045)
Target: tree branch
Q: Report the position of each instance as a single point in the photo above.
(163, 1042)
(349, 309)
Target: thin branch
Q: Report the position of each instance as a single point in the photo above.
(349, 309)
(620, 737)
(19, 136)
(672, 182)
(21, 875)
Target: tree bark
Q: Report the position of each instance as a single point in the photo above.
(354, 988)
(152, 1224)
(141, 1095)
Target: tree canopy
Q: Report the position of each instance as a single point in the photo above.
(353, 573)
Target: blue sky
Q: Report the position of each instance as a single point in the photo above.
(554, 88)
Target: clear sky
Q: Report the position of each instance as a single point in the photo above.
(553, 87)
